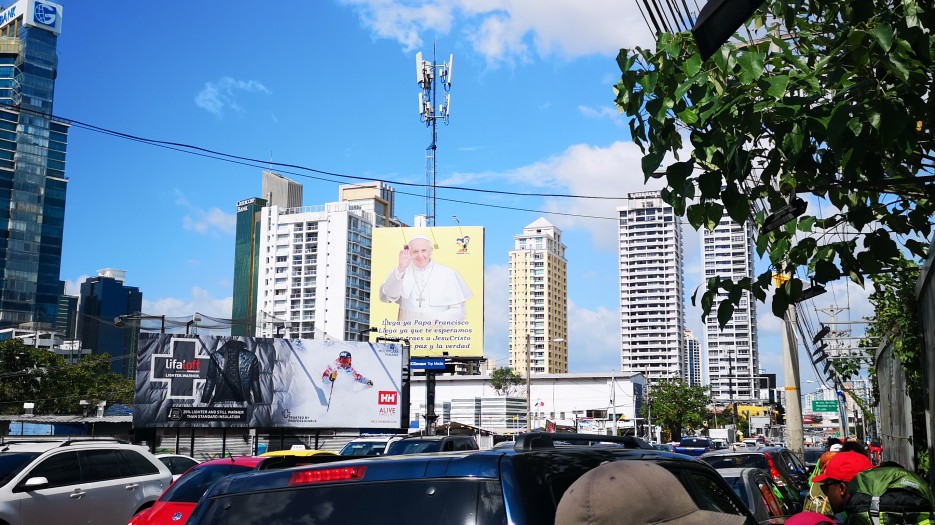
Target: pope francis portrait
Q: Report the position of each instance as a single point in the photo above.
(424, 289)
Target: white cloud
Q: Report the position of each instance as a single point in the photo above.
(212, 221)
(612, 171)
(74, 287)
(593, 339)
(200, 301)
(603, 112)
(221, 94)
(510, 31)
(496, 315)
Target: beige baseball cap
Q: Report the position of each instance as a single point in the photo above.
(633, 492)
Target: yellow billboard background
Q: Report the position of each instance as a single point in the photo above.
(459, 248)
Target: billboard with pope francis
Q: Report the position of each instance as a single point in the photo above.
(427, 286)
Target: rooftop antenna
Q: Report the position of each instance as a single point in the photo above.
(427, 76)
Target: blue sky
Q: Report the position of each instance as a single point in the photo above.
(330, 85)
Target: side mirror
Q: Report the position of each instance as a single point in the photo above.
(36, 483)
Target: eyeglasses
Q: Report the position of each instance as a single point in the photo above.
(825, 486)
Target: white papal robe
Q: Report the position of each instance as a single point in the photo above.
(435, 292)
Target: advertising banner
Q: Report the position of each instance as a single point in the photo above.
(210, 381)
(428, 287)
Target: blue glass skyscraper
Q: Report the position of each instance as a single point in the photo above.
(32, 165)
(103, 298)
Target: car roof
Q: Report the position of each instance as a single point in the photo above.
(459, 464)
(42, 445)
(729, 452)
(247, 461)
(288, 452)
(484, 464)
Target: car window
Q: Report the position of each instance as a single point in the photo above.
(737, 461)
(414, 447)
(736, 484)
(177, 464)
(363, 449)
(100, 465)
(453, 502)
(60, 469)
(11, 463)
(190, 487)
(140, 466)
(709, 494)
(793, 461)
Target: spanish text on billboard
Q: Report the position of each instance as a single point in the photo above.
(428, 287)
(210, 381)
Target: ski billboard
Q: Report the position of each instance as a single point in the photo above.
(427, 286)
(211, 381)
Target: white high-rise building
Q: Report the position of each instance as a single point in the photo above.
(314, 271)
(652, 313)
(692, 359)
(732, 353)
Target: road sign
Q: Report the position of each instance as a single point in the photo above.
(822, 405)
(427, 364)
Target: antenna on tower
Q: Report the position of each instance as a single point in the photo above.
(427, 74)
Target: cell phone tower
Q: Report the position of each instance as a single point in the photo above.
(427, 76)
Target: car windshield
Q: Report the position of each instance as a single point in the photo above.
(363, 448)
(813, 454)
(190, 487)
(694, 442)
(411, 446)
(737, 461)
(11, 463)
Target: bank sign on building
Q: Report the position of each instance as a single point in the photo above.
(33, 13)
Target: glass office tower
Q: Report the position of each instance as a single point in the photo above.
(32, 165)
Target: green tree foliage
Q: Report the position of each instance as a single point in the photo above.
(29, 374)
(505, 381)
(674, 405)
(832, 99)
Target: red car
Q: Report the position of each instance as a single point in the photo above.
(178, 501)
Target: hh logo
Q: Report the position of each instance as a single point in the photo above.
(387, 397)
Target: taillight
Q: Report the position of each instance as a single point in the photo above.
(304, 477)
(772, 469)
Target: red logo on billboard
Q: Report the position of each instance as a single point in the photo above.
(387, 397)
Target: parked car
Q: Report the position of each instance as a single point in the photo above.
(178, 501)
(369, 445)
(177, 463)
(420, 444)
(664, 446)
(521, 486)
(775, 461)
(693, 446)
(77, 481)
(812, 454)
(759, 493)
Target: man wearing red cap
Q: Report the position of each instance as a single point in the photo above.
(840, 470)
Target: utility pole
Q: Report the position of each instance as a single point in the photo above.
(427, 73)
(528, 386)
(790, 359)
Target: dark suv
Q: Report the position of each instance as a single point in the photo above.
(520, 485)
(786, 470)
(419, 444)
